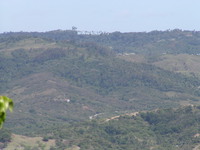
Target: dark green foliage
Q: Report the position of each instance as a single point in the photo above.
(62, 65)
(110, 74)
(49, 54)
(45, 138)
(5, 137)
(148, 43)
(163, 129)
(14, 68)
(175, 126)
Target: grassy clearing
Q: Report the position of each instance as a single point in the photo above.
(27, 44)
(73, 148)
(20, 142)
(183, 63)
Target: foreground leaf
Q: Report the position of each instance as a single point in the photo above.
(5, 103)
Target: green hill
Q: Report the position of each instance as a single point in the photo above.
(163, 129)
(181, 63)
(147, 43)
(108, 91)
(160, 129)
(56, 81)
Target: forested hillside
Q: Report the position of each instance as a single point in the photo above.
(148, 43)
(58, 78)
(167, 129)
(162, 129)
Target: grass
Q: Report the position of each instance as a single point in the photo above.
(27, 44)
(73, 148)
(20, 142)
(181, 63)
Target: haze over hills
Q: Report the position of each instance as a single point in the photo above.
(60, 77)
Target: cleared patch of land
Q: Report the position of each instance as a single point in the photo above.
(20, 142)
(182, 63)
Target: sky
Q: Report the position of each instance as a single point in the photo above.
(99, 15)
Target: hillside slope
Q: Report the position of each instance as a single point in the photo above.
(163, 129)
(56, 82)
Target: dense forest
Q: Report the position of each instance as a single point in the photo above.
(74, 81)
(163, 129)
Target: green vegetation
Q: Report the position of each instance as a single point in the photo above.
(29, 143)
(5, 103)
(147, 43)
(92, 78)
(5, 138)
(162, 129)
(186, 64)
(62, 79)
(166, 129)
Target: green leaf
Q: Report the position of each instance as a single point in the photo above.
(5, 103)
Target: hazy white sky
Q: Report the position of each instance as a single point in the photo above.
(99, 15)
